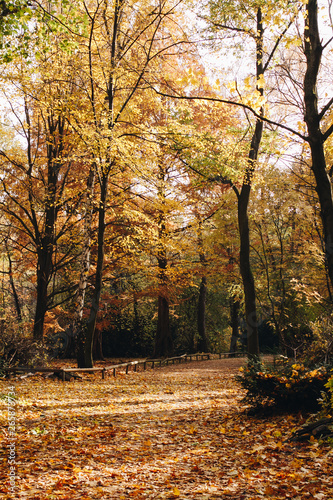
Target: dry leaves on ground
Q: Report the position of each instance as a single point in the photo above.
(177, 432)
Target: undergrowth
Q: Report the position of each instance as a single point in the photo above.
(286, 386)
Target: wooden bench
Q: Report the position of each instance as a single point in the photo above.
(66, 373)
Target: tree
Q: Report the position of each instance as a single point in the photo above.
(234, 23)
(291, 286)
(41, 179)
(123, 48)
(203, 340)
(314, 119)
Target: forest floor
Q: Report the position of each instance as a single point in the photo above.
(175, 432)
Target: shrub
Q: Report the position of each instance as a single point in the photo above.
(322, 345)
(18, 348)
(286, 386)
(327, 398)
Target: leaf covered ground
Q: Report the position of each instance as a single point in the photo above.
(176, 432)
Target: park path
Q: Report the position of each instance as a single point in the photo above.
(174, 432)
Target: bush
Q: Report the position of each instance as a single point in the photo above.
(322, 345)
(327, 398)
(18, 348)
(286, 386)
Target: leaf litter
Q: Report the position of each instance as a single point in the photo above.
(176, 432)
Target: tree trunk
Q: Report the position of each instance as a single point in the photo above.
(46, 243)
(316, 139)
(98, 345)
(243, 219)
(85, 354)
(234, 321)
(43, 276)
(78, 332)
(45, 267)
(91, 323)
(202, 341)
(12, 285)
(244, 256)
(85, 258)
(163, 338)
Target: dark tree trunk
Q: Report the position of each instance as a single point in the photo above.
(316, 139)
(77, 328)
(85, 350)
(12, 285)
(243, 219)
(43, 276)
(80, 335)
(244, 255)
(202, 341)
(98, 345)
(88, 337)
(46, 242)
(163, 339)
(234, 321)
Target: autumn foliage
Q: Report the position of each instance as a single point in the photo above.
(155, 200)
(285, 385)
(177, 432)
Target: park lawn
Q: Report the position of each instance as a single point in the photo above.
(175, 432)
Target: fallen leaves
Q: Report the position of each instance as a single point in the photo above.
(177, 432)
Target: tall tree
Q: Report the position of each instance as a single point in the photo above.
(234, 20)
(318, 131)
(203, 340)
(222, 21)
(40, 180)
(123, 47)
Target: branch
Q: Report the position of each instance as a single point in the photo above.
(276, 45)
(233, 103)
(228, 182)
(17, 216)
(189, 226)
(327, 133)
(327, 43)
(325, 108)
(231, 28)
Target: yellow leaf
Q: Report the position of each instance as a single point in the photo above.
(248, 83)
(261, 81)
(176, 491)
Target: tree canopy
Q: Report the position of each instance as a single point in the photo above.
(166, 175)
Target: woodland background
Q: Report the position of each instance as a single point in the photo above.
(165, 178)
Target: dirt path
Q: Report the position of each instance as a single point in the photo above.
(228, 365)
(175, 432)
